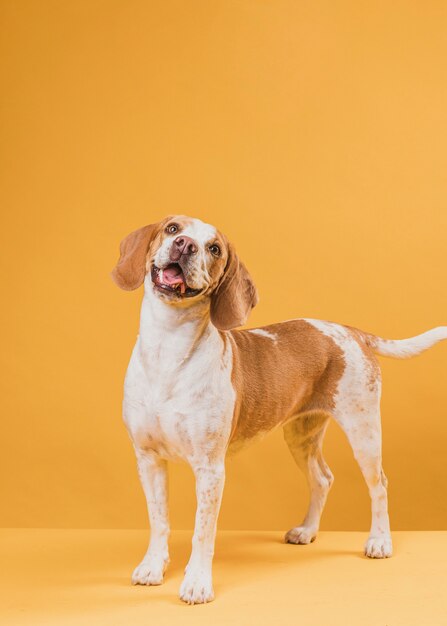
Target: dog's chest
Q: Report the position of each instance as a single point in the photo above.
(179, 404)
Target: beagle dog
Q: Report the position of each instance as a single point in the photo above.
(196, 389)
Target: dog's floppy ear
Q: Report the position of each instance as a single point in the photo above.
(234, 296)
(130, 270)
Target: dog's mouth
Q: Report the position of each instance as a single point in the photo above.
(171, 279)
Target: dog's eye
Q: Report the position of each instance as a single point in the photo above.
(214, 249)
(171, 229)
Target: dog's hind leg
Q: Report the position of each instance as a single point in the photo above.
(304, 436)
(363, 430)
(356, 407)
(357, 411)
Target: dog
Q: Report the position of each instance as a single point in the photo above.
(196, 388)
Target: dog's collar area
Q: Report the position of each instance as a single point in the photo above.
(171, 280)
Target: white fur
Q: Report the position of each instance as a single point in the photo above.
(264, 333)
(179, 404)
(404, 348)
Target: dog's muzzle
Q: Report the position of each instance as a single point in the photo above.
(171, 279)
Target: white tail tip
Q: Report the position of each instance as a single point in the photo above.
(404, 348)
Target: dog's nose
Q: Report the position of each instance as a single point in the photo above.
(182, 246)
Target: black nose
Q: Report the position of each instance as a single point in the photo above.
(182, 246)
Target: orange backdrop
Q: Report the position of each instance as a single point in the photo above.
(313, 134)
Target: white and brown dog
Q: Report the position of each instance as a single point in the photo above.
(196, 389)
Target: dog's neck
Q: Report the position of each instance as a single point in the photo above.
(174, 328)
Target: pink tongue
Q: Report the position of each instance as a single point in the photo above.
(173, 275)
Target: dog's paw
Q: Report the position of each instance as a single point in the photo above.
(149, 572)
(300, 535)
(379, 547)
(197, 586)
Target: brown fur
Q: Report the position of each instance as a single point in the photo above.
(234, 296)
(130, 270)
(296, 375)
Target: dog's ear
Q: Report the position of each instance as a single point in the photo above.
(234, 296)
(130, 270)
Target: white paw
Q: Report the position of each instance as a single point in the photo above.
(197, 586)
(379, 547)
(149, 572)
(300, 535)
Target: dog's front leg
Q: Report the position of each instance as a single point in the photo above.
(197, 585)
(154, 479)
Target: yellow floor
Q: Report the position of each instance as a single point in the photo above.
(83, 577)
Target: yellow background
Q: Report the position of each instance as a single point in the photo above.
(313, 134)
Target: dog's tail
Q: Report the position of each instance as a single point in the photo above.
(405, 348)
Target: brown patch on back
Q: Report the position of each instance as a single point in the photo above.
(277, 380)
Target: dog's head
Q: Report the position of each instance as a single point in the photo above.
(187, 261)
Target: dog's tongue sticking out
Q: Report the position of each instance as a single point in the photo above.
(173, 276)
